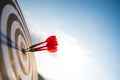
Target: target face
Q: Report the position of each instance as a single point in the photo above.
(14, 36)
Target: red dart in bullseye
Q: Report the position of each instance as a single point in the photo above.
(51, 45)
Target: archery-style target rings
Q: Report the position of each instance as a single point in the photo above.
(14, 36)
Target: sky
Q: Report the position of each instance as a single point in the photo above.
(88, 34)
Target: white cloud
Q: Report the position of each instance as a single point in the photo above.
(71, 62)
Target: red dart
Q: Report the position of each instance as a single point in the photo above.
(51, 38)
(51, 45)
(38, 49)
(36, 44)
(52, 49)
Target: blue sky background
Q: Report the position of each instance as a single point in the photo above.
(88, 33)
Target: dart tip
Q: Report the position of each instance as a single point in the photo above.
(24, 50)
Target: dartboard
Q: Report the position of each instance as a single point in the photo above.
(14, 36)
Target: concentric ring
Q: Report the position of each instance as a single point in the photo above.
(14, 36)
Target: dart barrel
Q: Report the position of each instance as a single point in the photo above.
(14, 36)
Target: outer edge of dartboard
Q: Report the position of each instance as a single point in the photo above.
(3, 72)
(21, 15)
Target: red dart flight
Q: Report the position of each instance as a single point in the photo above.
(51, 45)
